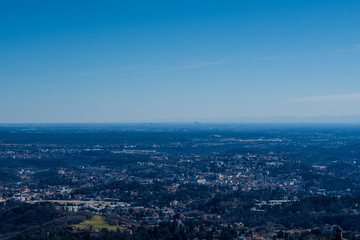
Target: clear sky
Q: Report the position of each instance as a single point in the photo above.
(125, 61)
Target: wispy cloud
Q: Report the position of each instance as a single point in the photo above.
(199, 65)
(311, 54)
(345, 50)
(351, 97)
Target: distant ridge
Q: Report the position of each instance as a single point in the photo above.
(346, 119)
(350, 119)
(300, 119)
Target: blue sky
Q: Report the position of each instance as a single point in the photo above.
(149, 61)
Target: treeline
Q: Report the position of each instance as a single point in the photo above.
(165, 231)
(308, 212)
(8, 175)
(21, 219)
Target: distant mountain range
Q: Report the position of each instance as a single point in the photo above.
(348, 119)
(353, 119)
(305, 119)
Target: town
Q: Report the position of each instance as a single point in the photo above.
(222, 182)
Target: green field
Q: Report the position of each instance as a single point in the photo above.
(97, 222)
